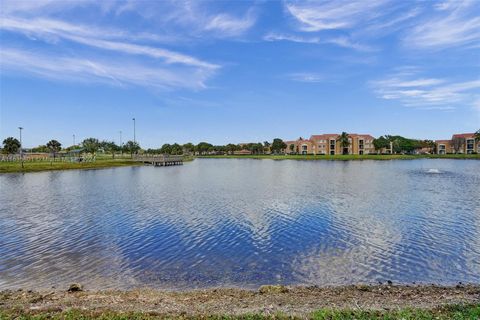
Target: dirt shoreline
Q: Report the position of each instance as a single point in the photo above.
(270, 300)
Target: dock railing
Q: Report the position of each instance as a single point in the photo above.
(159, 159)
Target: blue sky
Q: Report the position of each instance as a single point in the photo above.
(228, 71)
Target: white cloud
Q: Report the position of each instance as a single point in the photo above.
(306, 77)
(343, 42)
(431, 93)
(103, 70)
(48, 29)
(347, 43)
(194, 19)
(328, 15)
(272, 36)
(456, 24)
(229, 25)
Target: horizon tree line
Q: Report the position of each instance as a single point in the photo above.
(398, 144)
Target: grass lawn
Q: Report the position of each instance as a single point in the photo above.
(347, 157)
(102, 161)
(34, 166)
(454, 312)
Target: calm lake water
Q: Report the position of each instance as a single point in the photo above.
(242, 223)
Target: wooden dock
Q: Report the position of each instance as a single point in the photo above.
(160, 160)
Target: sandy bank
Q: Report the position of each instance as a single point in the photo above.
(297, 301)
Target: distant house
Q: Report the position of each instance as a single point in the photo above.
(242, 152)
(460, 143)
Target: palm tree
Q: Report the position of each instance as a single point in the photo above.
(266, 146)
(132, 147)
(91, 145)
(11, 145)
(344, 140)
(110, 147)
(54, 146)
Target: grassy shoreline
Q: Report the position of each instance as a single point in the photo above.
(345, 157)
(349, 302)
(458, 312)
(39, 166)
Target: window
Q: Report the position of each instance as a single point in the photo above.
(441, 149)
(470, 144)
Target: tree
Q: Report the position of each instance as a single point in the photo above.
(457, 144)
(381, 143)
(278, 145)
(231, 148)
(204, 147)
(255, 148)
(188, 148)
(91, 145)
(266, 146)
(176, 149)
(166, 148)
(11, 145)
(403, 145)
(292, 147)
(344, 140)
(54, 146)
(41, 148)
(477, 134)
(110, 147)
(131, 147)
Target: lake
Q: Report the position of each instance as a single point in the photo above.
(242, 223)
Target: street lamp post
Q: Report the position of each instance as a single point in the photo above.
(121, 149)
(21, 149)
(134, 138)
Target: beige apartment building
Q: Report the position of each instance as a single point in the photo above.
(328, 144)
(460, 143)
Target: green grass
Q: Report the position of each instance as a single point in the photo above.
(347, 157)
(35, 166)
(101, 162)
(453, 312)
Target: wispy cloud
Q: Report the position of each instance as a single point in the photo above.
(48, 29)
(306, 77)
(193, 18)
(156, 67)
(119, 73)
(430, 93)
(229, 25)
(343, 42)
(328, 15)
(455, 24)
(272, 36)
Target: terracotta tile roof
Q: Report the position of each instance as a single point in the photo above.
(463, 135)
(442, 141)
(335, 135)
(323, 136)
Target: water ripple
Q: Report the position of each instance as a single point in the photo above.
(242, 223)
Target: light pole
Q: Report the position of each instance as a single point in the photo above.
(134, 140)
(121, 149)
(21, 151)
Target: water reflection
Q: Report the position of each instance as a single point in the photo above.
(242, 223)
